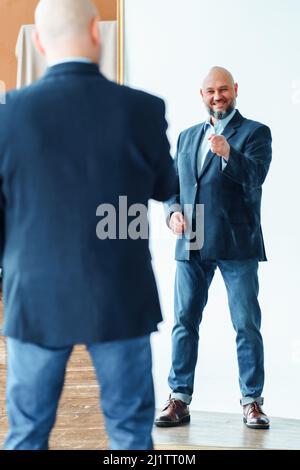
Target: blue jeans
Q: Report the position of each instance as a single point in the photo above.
(35, 381)
(193, 279)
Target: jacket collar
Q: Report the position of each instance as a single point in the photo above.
(73, 68)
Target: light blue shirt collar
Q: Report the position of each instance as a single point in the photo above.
(82, 60)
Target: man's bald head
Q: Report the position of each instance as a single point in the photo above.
(219, 92)
(65, 25)
(218, 73)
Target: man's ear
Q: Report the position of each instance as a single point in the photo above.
(201, 93)
(236, 89)
(95, 32)
(37, 42)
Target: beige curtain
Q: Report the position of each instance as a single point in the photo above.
(31, 65)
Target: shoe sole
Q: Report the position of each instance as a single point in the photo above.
(170, 424)
(256, 426)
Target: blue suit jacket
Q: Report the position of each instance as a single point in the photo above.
(68, 143)
(231, 197)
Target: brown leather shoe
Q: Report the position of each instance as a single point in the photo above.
(254, 417)
(175, 413)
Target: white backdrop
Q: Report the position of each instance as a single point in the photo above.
(170, 45)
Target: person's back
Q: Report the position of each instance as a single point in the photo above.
(77, 153)
(77, 142)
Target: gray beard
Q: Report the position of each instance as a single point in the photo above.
(222, 114)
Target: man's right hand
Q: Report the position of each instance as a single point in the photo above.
(177, 223)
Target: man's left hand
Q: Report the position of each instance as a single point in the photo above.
(219, 146)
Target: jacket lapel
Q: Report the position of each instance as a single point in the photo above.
(208, 159)
(195, 148)
(229, 131)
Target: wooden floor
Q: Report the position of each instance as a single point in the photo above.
(227, 431)
(80, 424)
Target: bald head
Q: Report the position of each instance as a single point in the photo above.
(220, 74)
(67, 27)
(219, 92)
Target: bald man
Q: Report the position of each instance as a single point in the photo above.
(222, 164)
(71, 145)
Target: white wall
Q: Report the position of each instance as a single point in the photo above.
(170, 45)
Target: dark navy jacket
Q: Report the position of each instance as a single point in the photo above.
(231, 197)
(68, 143)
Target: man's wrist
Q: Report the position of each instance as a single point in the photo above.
(226, 156)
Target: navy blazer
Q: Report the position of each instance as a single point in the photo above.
(231, 225)
(68, 143)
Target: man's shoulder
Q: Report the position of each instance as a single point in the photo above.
(139, 97)
(190, 131)
(124, 95)
(253, 125)
(131, 98)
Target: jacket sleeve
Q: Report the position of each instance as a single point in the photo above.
(250, 167)
(166, 181)
(173, 203)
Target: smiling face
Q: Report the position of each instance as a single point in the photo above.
(219, 93)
